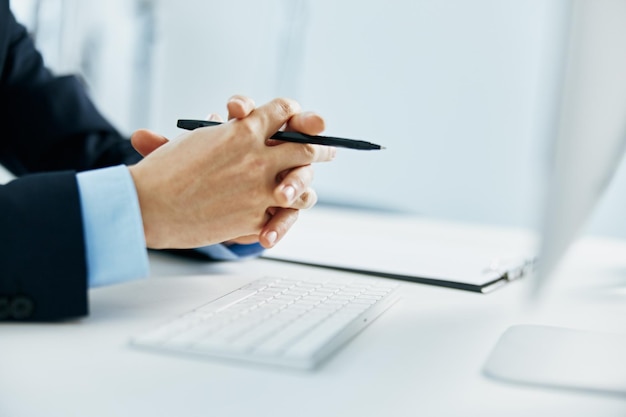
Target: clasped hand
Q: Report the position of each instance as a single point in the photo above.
(228, 183)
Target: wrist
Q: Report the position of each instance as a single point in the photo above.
(151, 235)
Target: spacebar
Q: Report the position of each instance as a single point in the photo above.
(226, 301)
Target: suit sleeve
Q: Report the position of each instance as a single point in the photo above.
(50, 130)
(42, 250)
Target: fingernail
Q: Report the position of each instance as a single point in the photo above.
(271, 237)
(289, 192)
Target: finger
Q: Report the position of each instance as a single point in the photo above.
(292, 184)
(307, 122)
(306, 200)
(289, 155)
(269, 118)
(214, 117)
(239, 107)
(145, 141)
(277, 227)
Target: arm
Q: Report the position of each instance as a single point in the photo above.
(41, 249)
(49, 124)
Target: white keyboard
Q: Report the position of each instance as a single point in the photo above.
(277, 321)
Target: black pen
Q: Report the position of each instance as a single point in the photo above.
(293, 136)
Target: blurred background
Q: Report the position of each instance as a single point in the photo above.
(462, 93)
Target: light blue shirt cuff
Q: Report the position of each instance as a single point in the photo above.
(114, 237)
(234, 252)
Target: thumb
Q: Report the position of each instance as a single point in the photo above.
(145, 141)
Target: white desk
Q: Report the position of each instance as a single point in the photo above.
(423, 357)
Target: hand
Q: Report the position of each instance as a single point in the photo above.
(293, 182)
(298, 179)
(214, 183)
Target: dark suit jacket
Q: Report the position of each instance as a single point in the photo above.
(49, 129)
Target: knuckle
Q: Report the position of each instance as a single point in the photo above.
(299, 182)
(310, 151)
(288, 220)
(279, 198)
(285, 107)
(247, 129)
(308, 199)
(307, 173)
(258, 165)
(331, 153)
(256, 195)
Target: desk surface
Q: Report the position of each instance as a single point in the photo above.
(422, 357)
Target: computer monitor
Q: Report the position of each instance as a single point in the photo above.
(589, 139)
(590, 130)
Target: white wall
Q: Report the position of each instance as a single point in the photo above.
(452, 87)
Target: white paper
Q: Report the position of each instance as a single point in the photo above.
(404, 245)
